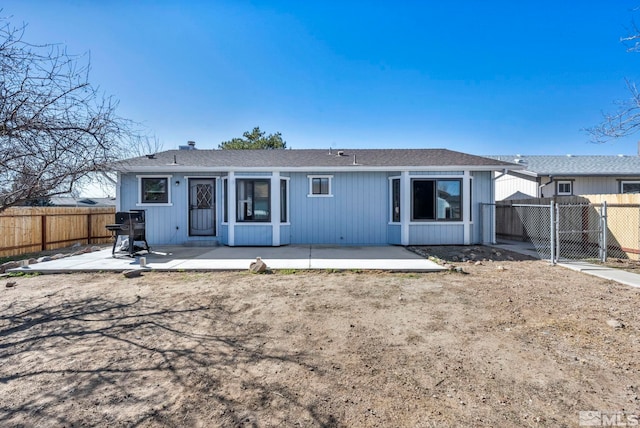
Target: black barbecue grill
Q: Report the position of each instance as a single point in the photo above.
(129, 224)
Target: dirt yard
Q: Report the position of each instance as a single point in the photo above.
(508, 343)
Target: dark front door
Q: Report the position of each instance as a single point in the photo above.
(202, 206)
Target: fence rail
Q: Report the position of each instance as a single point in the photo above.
(32, 229)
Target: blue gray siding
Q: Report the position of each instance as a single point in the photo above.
(253, 235)
(356, 214)
(394, 234)
(436, 234)
(167, 224)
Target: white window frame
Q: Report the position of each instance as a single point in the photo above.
(622, 183)
(288, 180)
(314, 195)
(562, 182)
(391, 200)
(169, 202)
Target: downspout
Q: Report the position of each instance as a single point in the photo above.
(540, 186)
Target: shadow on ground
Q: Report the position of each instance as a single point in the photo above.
(130, 362)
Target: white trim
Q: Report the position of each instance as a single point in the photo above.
(405, 214)
(118, 191)
(623, 182)
(275, 202)
(310, 178)
(569, 182)
(169, 202)
(231, 208)
(223, 169)
(466, 190)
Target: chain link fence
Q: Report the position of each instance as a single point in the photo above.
(570, 231)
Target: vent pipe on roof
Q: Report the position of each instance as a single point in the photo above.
(355, 162)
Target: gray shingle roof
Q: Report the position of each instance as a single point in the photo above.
(311, 158)
(576, 165)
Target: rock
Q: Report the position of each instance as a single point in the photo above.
(8, 265)
(258, 266)
(43, 259)
(447, 266)
(133, 273)
(615, 323)
(498, 253)
(11, 284)
(24, 262)
(95, 248)
(459, 269)
(33, 261)
(500, 268)
(57, 256)
(478, 263)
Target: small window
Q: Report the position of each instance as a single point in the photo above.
(254, 202)
(225, 203)
(395, 200)
(565, 188)
(320, 185)
(283, 201)
(630, 187)
(154, 190)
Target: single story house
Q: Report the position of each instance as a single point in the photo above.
(548, 176)
(336, 197)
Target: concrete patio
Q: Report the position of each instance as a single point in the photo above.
(180, 258)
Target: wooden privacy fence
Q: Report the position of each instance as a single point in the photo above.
(32, 229)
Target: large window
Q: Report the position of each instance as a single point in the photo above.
(320, 185)
(253, 197)
(154, 190)
(630, 187)
(436, 199)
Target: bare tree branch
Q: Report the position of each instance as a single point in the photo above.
(55, 127)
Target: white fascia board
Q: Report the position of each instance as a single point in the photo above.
(314, 169)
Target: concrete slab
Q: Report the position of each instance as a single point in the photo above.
(623, 277)
(178, 258)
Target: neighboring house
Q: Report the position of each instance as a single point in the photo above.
(547, 176)
(280, 197)
(68, 201)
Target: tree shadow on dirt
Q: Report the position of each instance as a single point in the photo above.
(102, 361)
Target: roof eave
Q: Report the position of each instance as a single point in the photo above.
(350, 168)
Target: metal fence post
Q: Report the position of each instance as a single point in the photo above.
(556, 228)
(604, 229)
(553, 233)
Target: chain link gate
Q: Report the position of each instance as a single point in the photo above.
(581, 231)
(565, 231)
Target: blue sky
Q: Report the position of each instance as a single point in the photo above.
(483, 77)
